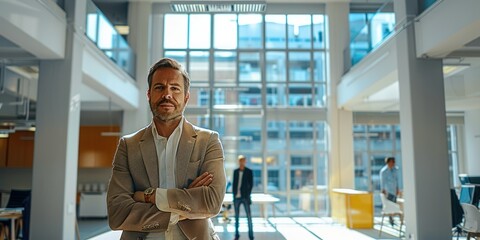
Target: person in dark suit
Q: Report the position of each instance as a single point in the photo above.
(242, 190)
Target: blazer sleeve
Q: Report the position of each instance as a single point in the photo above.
(250, 182)
(206, 201)
(123, 212)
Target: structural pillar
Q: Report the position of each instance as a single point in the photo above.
(139, 20)
(341, 167)
(424, 137)
(472, 142)
(54, 184)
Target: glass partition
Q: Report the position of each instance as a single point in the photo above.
(105, 36)
(368, 30)
(425, 4)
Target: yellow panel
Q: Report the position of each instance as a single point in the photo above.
(352, 208)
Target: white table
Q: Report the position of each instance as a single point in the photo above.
(257, 198)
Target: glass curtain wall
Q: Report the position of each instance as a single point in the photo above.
(242, 66)
(372, 143)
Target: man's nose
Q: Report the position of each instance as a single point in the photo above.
(167, 94)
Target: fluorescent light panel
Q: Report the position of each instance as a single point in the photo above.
(451, 69)
(218, 6)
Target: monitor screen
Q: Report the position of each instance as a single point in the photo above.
(474, 179)
(466, 194)
(464, 179)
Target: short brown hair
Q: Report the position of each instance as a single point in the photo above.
(388, 159)
(173, 64)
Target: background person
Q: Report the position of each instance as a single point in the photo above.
(389, 181)
(242, 190)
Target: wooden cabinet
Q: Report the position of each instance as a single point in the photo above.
(96, 146)
(3, 152)
(20, 149)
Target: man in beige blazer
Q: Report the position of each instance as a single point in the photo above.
(168, 178)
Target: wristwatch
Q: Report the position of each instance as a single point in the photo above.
(148, 193)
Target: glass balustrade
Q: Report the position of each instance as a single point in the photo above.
(105, 36)
(425, 4)
(369, 30)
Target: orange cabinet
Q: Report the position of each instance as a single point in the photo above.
(20, 149)
(3, 152)
(96, 146)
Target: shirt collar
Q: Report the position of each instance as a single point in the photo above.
(176, 132)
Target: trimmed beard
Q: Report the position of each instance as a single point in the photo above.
(164, 117)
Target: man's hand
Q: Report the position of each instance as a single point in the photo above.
(203, 180)
(139, 196)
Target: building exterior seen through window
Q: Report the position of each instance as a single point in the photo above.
(372, 143)
(243, 65)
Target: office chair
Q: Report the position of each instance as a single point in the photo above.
(457, 214)
(17, 198)
(21, 199)
(472, 220)
(392, 209)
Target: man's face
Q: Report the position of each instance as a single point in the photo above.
(391, 163)
(166, 95)
(242, 162)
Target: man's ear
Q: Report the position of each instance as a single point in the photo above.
(187, 97)
(148, 95)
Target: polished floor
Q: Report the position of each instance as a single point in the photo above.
(278, 228)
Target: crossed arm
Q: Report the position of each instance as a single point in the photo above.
(126, 207)
(203, 180)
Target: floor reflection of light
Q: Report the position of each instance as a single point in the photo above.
(281, 220)
(307, 220)
(295, 231)
(259, 225)
(335, 232)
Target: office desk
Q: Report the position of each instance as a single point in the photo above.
(257, 198)
(12, 214)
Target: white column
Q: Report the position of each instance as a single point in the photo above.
(140, 14)
(341, 160)
(54, 184)
(472, 142)
(424, 138)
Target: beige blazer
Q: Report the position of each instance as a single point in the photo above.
(135, 168)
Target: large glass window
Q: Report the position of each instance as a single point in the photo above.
(373, 143)
(246, 65)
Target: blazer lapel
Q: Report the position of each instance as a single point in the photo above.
(149, 155)
(184, 153)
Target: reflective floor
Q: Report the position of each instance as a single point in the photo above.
(304, 228)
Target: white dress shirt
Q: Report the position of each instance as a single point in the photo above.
(167, 155)
(240, 177)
